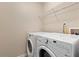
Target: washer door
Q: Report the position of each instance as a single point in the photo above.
(29, 47)
(45, 52)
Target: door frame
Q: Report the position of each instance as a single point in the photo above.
(46, 49)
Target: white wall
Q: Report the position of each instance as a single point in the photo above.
(69, 15)
(16, 19)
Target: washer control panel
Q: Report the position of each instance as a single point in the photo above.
(42, 39)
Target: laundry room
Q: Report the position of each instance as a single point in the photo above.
(39, 29)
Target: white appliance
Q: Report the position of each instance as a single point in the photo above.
(57, 45)
(31, 45)
(43, 48)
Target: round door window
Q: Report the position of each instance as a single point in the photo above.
(44, 53)
(29, 46)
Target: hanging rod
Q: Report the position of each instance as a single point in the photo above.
(55, 11)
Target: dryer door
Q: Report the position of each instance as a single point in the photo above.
(29, 47)
(45, 52)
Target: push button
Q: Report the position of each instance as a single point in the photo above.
(46, 42)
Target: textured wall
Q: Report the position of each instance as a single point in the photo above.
(16, 19)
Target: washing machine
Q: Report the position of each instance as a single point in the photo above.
(57, 45)
(32, 43)
(42, 48)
